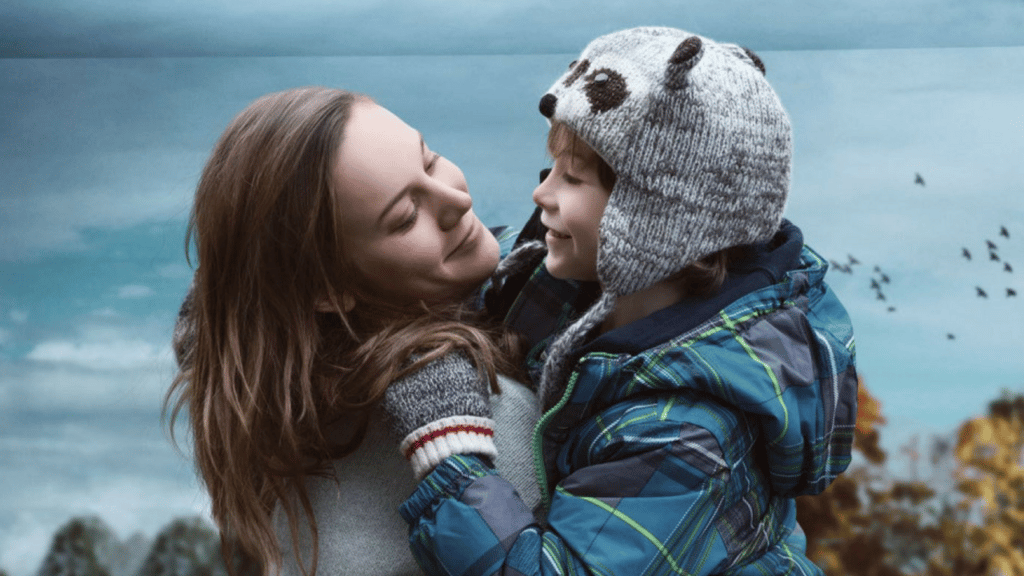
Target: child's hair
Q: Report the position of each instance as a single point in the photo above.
(563, 142)
(264, 373)
(701, 278)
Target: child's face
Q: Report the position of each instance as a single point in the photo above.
(572, 199)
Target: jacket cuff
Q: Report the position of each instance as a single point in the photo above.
(427, 446)
(447, 481)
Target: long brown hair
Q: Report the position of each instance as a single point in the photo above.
(269, 370)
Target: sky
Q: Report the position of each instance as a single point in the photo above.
(109, 108)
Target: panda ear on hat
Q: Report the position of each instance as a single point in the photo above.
(683, 59)
(747, 55)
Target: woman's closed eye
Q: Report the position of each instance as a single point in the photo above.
(410, 219)
(432, 162)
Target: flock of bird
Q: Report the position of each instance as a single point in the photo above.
(993, 256)
(879, 279)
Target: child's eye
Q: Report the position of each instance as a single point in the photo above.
(569, 178)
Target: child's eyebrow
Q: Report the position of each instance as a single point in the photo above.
(576, 159)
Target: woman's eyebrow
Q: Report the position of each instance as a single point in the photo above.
(403, 192)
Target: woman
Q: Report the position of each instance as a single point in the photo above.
(336, 253)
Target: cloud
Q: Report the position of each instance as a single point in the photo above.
(134, 291)
(174, 270)
(111, 362)
(18, 316)
(68, 386)
(108, 355)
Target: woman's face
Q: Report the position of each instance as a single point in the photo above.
(406, 213)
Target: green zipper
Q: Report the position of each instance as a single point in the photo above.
(538, 440)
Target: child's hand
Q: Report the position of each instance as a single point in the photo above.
(440, 410)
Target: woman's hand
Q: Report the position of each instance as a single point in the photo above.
(440, 410)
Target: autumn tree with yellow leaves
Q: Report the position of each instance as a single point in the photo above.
(992, 477)
(868, 523)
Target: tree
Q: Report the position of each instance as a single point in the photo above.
(868, 523)
(991, 476)
(79, 548)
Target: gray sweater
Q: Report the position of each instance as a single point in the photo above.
(357, 517)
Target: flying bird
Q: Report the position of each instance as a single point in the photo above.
(966, 253)
(875, 284)
(981, 293)
(1007, 267)
(993, 256)
(1004, 232)
(852, 259)
(950, 336)
(991, 245)
(1011, 293)
(892, 308)
(885, 278)
(844, 268)
(918, 179)
(880, 296)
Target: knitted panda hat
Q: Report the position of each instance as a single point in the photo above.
(699, 142)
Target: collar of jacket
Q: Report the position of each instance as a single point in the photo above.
(763, 264)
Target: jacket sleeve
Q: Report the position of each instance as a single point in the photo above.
(651, 492)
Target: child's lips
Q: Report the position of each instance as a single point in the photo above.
(558, 235)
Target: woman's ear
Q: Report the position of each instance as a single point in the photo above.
(348, 302)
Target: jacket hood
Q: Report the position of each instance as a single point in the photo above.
(774, 343)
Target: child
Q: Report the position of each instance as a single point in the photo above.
(712, 378)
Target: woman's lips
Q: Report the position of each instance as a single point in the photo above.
(467, 241)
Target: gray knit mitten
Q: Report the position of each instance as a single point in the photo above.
(440, 410)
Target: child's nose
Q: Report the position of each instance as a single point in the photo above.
(541, 196)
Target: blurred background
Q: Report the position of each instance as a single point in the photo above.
(908, 128)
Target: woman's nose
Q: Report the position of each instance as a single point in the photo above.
(452, 204)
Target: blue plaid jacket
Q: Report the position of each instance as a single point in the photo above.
(678, 443)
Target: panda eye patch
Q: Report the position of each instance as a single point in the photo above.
(605, 89)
